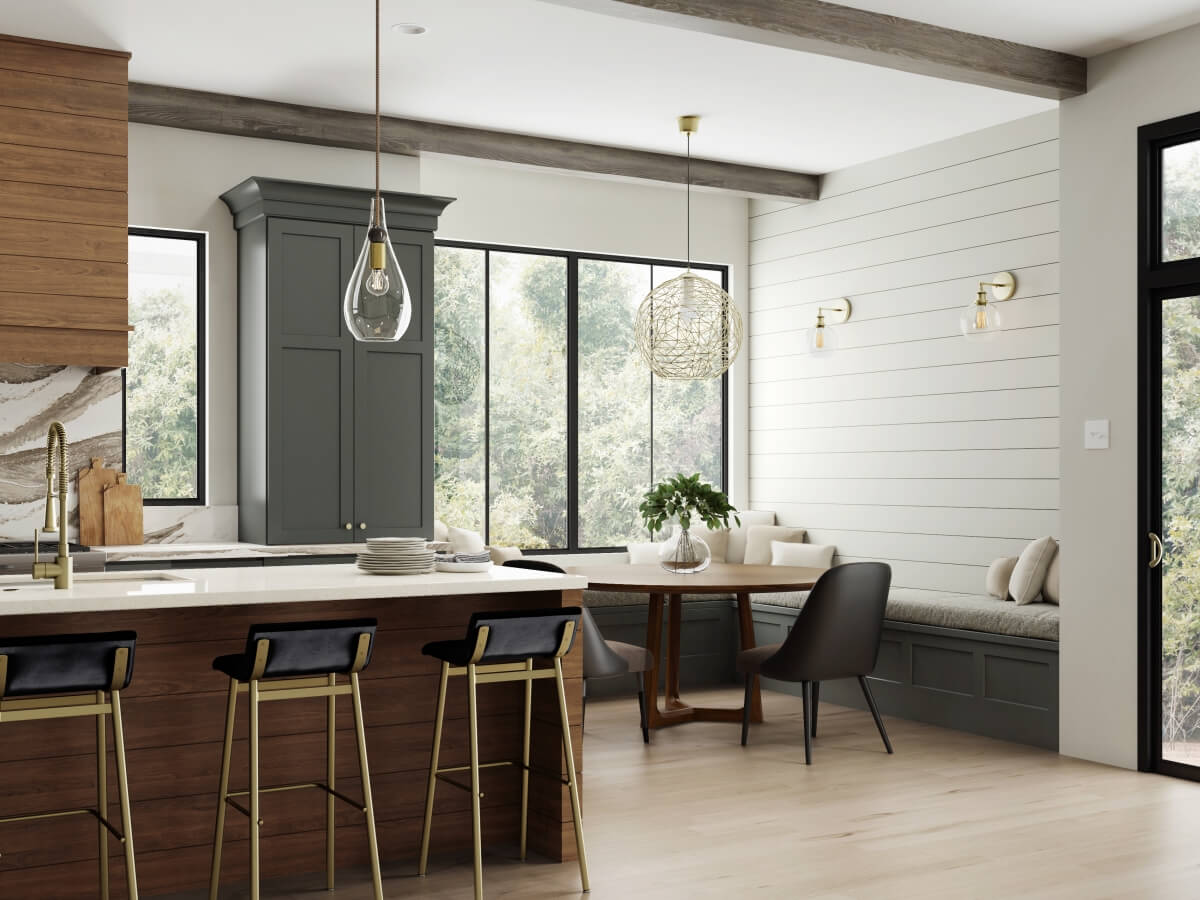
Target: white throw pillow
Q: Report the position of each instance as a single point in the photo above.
(813, 556)
(464, 541)
(999, 574)
(735, 550)
(1050, 591)
(760, 537)
(440, 532)
(501, 555)
(643, 554)
(717, 541)
(1029, 575)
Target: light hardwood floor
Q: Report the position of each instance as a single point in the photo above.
(950, 815)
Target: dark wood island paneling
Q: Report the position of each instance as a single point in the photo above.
(174, 714)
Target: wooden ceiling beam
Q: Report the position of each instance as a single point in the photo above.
(247, 117)
(813, 26)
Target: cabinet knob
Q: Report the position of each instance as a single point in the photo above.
(362, 526)
(349, 527)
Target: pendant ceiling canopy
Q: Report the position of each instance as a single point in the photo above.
(688, 329)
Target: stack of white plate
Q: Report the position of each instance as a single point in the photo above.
(396, 556)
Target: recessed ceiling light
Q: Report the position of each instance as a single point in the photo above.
(409, 28)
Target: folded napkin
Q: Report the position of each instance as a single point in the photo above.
(465, 557)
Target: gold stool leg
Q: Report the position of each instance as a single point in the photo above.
(365, 775)
(433, 764)
(226, 752)
(330, 743)
(102, 796)
(255, 821)
(525, 759)
(476, 823)
(123, 792)
(576, 814)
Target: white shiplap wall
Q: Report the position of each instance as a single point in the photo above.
(910, 443)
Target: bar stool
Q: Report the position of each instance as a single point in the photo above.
(64, 676)
(287, 662)
(500, 647)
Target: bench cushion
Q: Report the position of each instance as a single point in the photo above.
(967, 612)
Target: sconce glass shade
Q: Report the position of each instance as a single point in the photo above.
(377, 305)
(979, 321)
(820, 339)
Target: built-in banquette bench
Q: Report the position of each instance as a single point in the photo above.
(973, 663)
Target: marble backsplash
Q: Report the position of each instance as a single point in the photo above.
(89, 404)
(86, 401)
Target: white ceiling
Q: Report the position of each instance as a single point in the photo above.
(538, 68)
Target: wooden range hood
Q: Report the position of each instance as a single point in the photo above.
(64, 204)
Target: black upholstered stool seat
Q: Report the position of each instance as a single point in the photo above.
(68, 676)
(287, 661)
(501, 647)
(65, 663)
(298, 649)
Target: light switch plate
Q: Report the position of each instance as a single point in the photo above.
(1095, 434)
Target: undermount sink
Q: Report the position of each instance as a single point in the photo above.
(22, 582)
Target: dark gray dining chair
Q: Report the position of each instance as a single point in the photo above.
(601, 658)
(836, 635)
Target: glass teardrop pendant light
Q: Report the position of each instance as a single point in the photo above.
(377, 305)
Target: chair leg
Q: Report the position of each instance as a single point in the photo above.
(583, 710)
(637, 677)
(476, 823)
(866, 689)
(255, 812)
(573, 781)
(364, 773)
(806, 689)
(816, 705)
(525, 760)
(222, 790)
(102, 796)
(746, 709)
(330, 776)
(433, 766)
(123, 794)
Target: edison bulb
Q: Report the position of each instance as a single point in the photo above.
(377, 283)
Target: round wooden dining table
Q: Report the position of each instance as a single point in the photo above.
(664, 587)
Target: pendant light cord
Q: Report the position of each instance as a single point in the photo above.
(377, 199)
(689, 201)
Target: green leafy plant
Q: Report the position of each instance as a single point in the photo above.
(683, 497)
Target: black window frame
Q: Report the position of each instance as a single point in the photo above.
(573, 258)
(1158, 281)
(200, 239)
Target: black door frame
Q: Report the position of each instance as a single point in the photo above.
(1157, 281)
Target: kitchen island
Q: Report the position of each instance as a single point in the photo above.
(174, 714)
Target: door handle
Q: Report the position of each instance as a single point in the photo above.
(1156, 550)
(348, 526)
(362, 526)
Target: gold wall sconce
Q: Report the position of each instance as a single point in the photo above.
(980, 319)
(820, 338)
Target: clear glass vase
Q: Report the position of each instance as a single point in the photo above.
(685, 554)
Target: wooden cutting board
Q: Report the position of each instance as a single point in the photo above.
(92, 482)
(122, 513)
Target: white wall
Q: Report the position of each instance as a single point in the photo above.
(911, 443)
(1148, 82)
(558, 211)
(176, 178)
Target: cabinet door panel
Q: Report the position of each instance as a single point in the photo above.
(391, 455)
(310, 411)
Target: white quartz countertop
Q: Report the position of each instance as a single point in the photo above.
(183, 588)
(214, 550)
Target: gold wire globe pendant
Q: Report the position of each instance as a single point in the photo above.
(688, 328)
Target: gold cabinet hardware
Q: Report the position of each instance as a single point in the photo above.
(1156, 550)
(349, 527)
(362, 526)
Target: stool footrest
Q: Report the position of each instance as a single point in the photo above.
(534, 770)
(318, 785)
(59, 813)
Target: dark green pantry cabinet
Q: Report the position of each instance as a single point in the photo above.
(335, 436)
